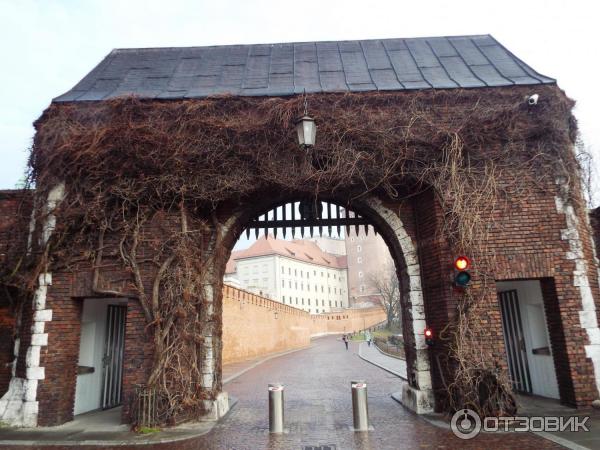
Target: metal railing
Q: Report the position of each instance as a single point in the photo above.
(145, 407)
(396, 350)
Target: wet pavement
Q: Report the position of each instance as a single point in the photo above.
(318, 412)
(318, 409)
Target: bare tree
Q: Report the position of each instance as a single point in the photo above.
(387, 285)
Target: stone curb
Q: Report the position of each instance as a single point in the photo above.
(393, 372)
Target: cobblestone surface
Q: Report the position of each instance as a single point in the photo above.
(318, 408)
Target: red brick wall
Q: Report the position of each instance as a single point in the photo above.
(524, 243)
(7, 324)
(137, 359)
(56, 393)
(14, 209)
(435, 259)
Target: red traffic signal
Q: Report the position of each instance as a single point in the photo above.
(462, 277)
(428, 336)
(462, 263)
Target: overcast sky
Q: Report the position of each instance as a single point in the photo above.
(48, 46)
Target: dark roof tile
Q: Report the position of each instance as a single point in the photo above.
(287, 69)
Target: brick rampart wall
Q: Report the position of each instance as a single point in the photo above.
(254, 326)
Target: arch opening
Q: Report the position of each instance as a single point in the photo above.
(295, 216)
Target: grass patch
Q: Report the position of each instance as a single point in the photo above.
(385, 333)
(357, 337)
(148, 430)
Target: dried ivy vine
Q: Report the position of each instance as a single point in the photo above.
(131, 166)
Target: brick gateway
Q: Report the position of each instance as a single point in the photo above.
(93, 237)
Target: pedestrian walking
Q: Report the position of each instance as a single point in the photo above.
(345, 339)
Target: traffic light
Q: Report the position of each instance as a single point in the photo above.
(462, 277)
(428, 336)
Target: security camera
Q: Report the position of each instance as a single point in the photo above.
(533, 99)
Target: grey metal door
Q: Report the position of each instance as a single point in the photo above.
(514, 339)
(113, 356)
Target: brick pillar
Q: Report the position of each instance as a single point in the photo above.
(138, 356)
(558, 342)
(7, 324)
(59, 359)
(435, 260)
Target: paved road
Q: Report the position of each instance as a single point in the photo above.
(318, 408)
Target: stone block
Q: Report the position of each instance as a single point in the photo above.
(45, 279)
(38, 327)
(588, 319)
(43, 315)
(417, 400)
(39, 298)
(32, 358)
(35, 373)
(39, 339)
(30, 390)
(30, 414)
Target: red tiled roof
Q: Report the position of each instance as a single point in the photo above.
(300, 250)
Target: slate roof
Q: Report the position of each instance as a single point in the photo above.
(287, 69)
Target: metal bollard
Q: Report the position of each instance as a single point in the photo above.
(360, 408)
(276, 407)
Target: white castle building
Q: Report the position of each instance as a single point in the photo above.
(296, 273)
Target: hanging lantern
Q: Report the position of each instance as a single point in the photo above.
(307, 131)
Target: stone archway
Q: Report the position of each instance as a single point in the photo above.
(417, 394)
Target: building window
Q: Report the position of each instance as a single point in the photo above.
(334, 276)
(283, 298)
(330, 303)
(335, 290)
(321, 274)
(315, 273)
(290, 283)
(282, 283)
(336, 303)
(289, 271)
(359, 260)
(358, 249)
(296, 284)
(282, 270)
(303, 301)
(309, 301)
(362, 288)
(360, 274)
(296, 300)
(301, 274)
(322, 289)
(295, 272)
(322, 302)
(329, 289)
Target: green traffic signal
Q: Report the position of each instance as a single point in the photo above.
(462, 279)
